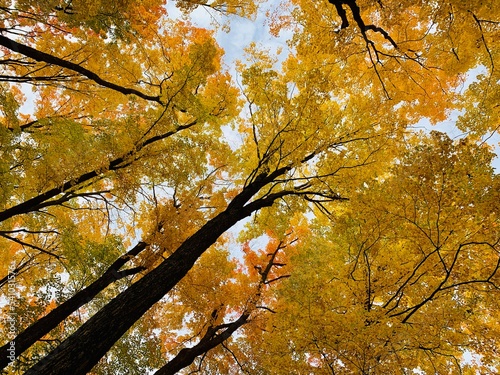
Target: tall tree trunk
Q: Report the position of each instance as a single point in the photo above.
(81, 351)
(50, 321)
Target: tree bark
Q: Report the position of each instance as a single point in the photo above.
(50, 321)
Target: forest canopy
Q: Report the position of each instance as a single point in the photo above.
(163, 211)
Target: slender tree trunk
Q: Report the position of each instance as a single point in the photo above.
(50, 321)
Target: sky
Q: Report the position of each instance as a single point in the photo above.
(242, 31)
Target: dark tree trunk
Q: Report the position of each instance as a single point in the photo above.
(80, 352)
(50, 321)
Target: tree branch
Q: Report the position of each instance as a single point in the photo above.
(53, 60)
(39, 201)
(210, 340)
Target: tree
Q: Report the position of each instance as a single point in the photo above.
(125, 148)
(399, 282)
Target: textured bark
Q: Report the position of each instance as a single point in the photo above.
(80, 352)
(50, 321)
